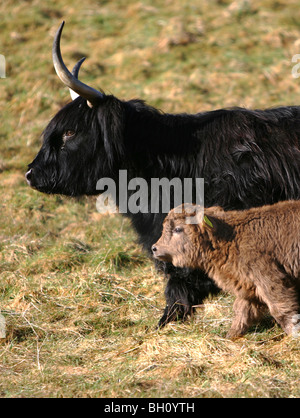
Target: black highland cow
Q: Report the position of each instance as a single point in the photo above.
(247, 158)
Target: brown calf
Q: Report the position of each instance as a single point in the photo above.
(254, 254)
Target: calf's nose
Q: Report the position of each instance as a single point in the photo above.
(154, 249)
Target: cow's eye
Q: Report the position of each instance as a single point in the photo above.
(68, 134)
(178, 229)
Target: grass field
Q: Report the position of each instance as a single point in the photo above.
(79, 297)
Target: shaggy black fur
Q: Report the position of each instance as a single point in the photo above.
(247, 158)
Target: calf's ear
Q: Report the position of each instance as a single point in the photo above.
(217, 228)
(207, 221)
(210, 223)
(204, 220)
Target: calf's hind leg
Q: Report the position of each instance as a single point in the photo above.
(246, 313)
(281, 297)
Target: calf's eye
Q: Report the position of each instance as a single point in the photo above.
(178, 229)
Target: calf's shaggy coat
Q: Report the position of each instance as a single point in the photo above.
(254, 254)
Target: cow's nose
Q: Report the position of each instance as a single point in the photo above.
(154, 249)
(28, 176)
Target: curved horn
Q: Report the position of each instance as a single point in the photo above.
(75, 73)
(77, 66)
(83, 90)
